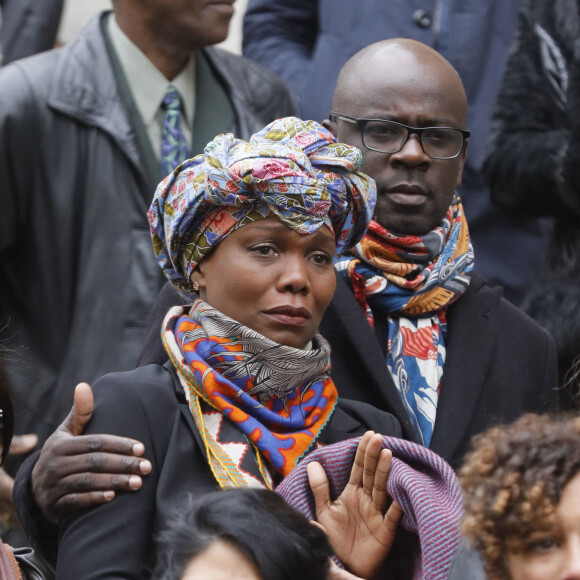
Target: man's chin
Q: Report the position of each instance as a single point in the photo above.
(402, 225)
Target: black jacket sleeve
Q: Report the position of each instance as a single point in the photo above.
(42, 534)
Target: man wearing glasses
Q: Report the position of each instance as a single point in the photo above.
(407, 114)
(458, 356)
(413, 330)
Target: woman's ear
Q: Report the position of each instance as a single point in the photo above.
(198, 281)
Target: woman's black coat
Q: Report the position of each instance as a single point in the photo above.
(116, 540)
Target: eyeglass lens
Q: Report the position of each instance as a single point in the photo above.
(389, 137)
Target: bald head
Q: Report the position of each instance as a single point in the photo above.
(399, 62)
(407, 83)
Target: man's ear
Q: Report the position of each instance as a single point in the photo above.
(462, 157)
(330, 125)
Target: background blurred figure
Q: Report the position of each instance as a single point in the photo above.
(28, 27)
(533, 162)
(15, 445)
(20, 563)
(306, 42)
(77, 14)
(87, 132)
(522, 499)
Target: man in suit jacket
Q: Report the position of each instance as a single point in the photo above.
(81, 152)
(28, 27)
(491, 363)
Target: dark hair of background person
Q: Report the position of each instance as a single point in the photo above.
(513, 480)
(275, 537)
(7, 417)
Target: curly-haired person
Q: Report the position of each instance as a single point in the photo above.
(522, 498)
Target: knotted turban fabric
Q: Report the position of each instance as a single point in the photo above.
(292, 169)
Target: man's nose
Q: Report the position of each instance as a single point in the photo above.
(412, 153)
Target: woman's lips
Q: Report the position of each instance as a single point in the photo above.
(289, 315)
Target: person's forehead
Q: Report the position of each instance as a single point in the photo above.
(419, 112)
(408, 91)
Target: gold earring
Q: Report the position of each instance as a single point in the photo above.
(195, 287)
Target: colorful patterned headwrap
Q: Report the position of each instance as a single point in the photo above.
(292, 169)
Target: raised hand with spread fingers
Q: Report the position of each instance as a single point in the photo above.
(360, 523)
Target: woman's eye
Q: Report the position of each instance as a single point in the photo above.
(321, 258)
(542, 544)
(264, 250)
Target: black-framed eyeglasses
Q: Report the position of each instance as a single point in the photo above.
(390, 136)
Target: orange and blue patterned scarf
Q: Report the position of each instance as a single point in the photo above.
(257, 404)
(410, 281)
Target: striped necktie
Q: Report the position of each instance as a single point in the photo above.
(174, 149)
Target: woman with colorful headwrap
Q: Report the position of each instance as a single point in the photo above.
(248, 231)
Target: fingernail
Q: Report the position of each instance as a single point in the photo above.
(134, 482)
(138, 448)
(145, 467)
(109, 495)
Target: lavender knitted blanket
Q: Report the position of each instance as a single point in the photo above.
(420, 481)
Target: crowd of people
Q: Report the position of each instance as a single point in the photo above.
(312, 270)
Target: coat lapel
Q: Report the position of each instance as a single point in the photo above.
(470, 347)
(184, 407)
(85, 88)
(214, 111)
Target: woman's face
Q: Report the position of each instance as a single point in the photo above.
(221, 561)
(555, 554)
(271, 279)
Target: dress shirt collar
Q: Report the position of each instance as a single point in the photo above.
(147, 83)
